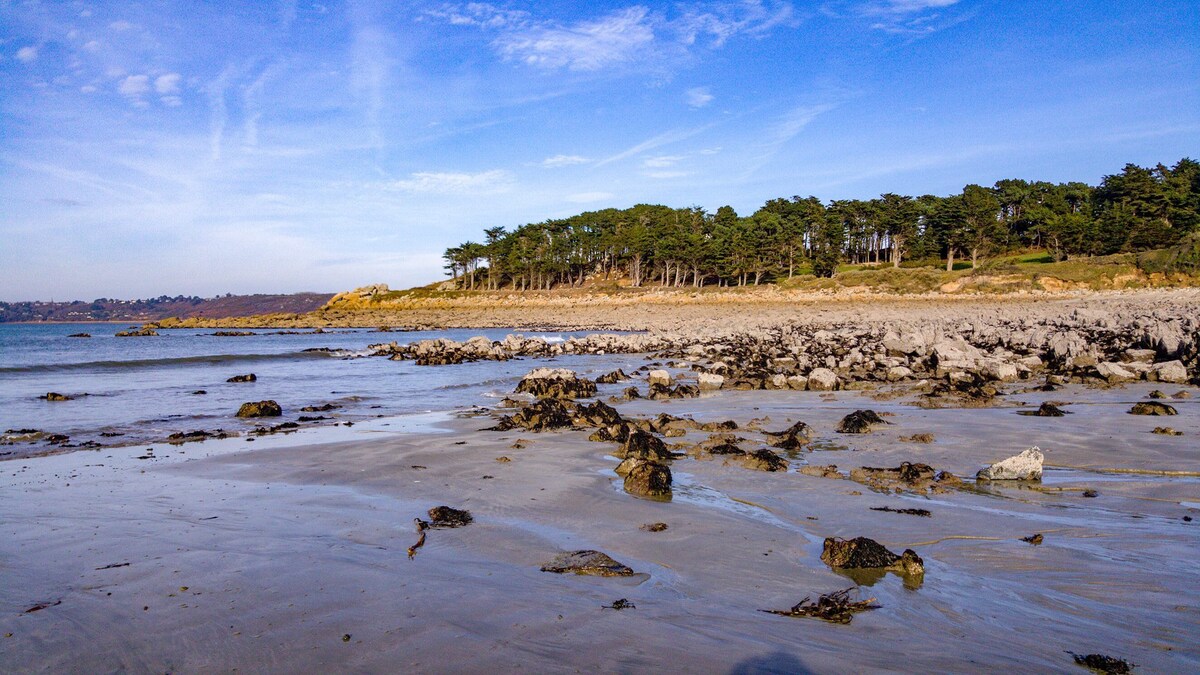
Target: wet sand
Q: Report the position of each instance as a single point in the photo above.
(264, 556)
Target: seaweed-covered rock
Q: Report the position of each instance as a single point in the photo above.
(556, 383)
(587, 562)
(597, 414)
(55, 396)
(827, 471)
(250, 377)
(614, 377)
(647, 478)
(864, 553)
(764, 460)
(545, 414)
(260, 409)
(144, 331)
(1102, 663)
(642, 445)
(1152, 408)
(444, 516)
(1047, 409)
(1025, 466)
(794, 437)
(1167, 431)
(859, 422)
(631, 393)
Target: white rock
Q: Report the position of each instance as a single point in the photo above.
(1170, 371)
(1025, 466)
(659, 377)
(898, 373)
(822, 379)
(710, 381)
(797, 382)
(1113, 372)
(550, 374)
(779, 381)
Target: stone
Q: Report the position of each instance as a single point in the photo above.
(597, 414)
(1138, 356)
(444, 516)
(1167, 431)
(587, 562)
(659, 377)
(792, 438)
(764, 460)
(1170, 371)
(1152, 408)
(1025, 466)
(614, 377)
(827, 471)
(1114, 373)
(859, 422)
(260, 409)
(864, 553)
(251, 377)
(710, 381)
(556, 383)
(55, 396)
(897, 373)
(545, 414)
(643, 445)
(647, 478)
(822, 379)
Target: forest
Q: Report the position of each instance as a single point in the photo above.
(1138, 209)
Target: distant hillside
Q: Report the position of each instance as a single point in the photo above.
(106, 309)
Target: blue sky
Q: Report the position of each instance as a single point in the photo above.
(203, 148)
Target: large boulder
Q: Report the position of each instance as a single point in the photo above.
(659, 377)
(822, 379)
(1025, 466)
(1114, 372)
(598, 414)
(764, 460)
(859, 422)
(647, 478)
(260, 409)
(710, 381)
(556, 383)
(1152, 408)
(1170, 371)
(643, 445)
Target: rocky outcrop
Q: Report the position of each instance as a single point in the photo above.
(642, 445)
(243, 378)
(763, 460)
(1152, 408)
(646, 478)
(1025, 466)
(260, 409)
(859, 422)
(556, 383)
(447, 517)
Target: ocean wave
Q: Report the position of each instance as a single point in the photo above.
(212, 359)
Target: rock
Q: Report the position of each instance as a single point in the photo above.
(1114, 373)
(659, 377)
(794, 437)
(647, 478)
(642, 445)
(1138, 356)
(864, 553)
(79, 335)
(55, 396)
(144, 331)
(598, 414)
(1152, 408)
(999, 370)
(859, 422)
(654, 527)
(1025, 466)
(1167, 431)
(764, 460)
(1157, 393)
(444, 516)
(614, 377)
(320, 408)
(897, 373)
(828, 471)
(917, 438)
(709, 381)
(243, 378)
(1047, 409)
(260, 409)
(822, 379)
(1170, 371)
(631, 393)
(587, 562)
(544, 415)
(555, 383)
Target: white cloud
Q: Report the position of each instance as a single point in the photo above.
(27, 54)
(120, 25)
(87, 89)
(486, 182)
(134, 85)
(167, 84)
(662, 175)
(584, 46)
(563, 160)
(905, 6)
(698, 97)
(589, 197)
(171, 101)
(662, 161)
(91, 46)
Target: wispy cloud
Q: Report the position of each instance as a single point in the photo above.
(563, 160)
(698, 97)
(27, 54)
(589, 197)
(665, 138)
(913, 18)
(586, 45)
(661, 161)
(487, 182)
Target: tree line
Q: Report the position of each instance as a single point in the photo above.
(1137, 209)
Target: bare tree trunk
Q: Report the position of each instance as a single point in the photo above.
(950, 259)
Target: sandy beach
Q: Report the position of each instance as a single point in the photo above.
(289, 554)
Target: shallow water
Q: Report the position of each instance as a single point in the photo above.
(143, 387)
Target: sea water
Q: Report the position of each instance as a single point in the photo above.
(146, 388)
